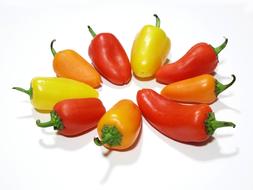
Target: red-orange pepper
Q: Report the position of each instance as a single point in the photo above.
(181, 122)
(73, 117)
(202, 58)
(109, 58)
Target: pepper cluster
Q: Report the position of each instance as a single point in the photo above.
(180, 111)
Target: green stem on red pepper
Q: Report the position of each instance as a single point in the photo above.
(221, 87)
(158, 21)
(55, 121)
(110, 135)
(91, 31)
(212, 124)
(221, 47)
(52, 48)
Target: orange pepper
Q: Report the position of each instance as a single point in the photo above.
(69, 64)
(119, 127)
(201, 89)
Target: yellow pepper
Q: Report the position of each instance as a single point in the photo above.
(45, 92)
(119, 127)
(150, 50)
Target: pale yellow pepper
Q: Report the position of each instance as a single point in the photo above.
(150, 49)
(45, 92)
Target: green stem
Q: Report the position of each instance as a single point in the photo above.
(97, 141)
(91, 31)
(212, 124)
(55, 121)
(221, 47)
(158, 21)
(28, 92)
(45, 124)
(52, 48)
(221, 87)
(110, 135)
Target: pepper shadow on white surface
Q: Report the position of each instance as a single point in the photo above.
(209, 150)
(122, 158)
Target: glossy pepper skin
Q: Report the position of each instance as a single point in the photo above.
(149, 51)
(201, 89)
(119, 127)
(182, 122)
(69, 64)
(75, 117)
(109, 58)
(202, 58)
(45, 92)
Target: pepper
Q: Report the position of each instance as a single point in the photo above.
(202, 58)
(201, 89)
(74, 117)
(182, 122)
(70, 64)
(109, 58)
(45, 92)
(119, 127)
(149, 51)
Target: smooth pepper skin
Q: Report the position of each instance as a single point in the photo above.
(124, 120)
(202, 58)
(75, 116)
(201, 89)
(149, 51)
(182, 122)
(109, 58)
(45, 92)
(69, 64)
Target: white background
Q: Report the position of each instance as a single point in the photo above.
(32, 158)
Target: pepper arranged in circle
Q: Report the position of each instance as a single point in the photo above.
(109, 58)
(201, 89)
(182, 122)
(45, 92)
(149, 51)
(202, 58)
(119, 127)
(74, 117)
(70, 64)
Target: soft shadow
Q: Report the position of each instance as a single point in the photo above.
(120, 158)
(53, 140)
(34, 114)
(222, 77)
(25, 117)
(226, 95)
(218, 106)
(111, 85)
(147, 84)
(197, 151)
(66, 143)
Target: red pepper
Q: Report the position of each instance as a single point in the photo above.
(109, 58)
(202, 58)
(74, 117)
(181, 122)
